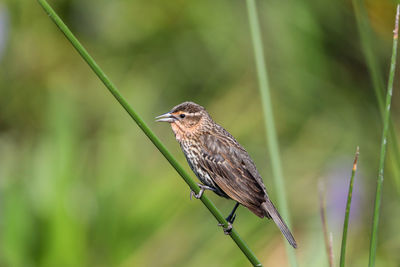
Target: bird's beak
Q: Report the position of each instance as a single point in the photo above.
(166, 117)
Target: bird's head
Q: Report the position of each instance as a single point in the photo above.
(186, 118)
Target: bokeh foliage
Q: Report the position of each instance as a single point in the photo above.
(80, 185)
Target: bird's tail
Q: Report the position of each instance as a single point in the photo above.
(270, 209)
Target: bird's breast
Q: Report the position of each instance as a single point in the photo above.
(193, 155)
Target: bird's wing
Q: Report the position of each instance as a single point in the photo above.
(233, 171)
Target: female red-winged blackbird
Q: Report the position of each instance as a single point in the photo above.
(221, 163)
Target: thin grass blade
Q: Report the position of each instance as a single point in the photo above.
(347, 213)
(364, 30)
(327, 235)
(379, 185)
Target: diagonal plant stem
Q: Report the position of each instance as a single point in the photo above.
(364, 30)
(378, 197)
(269, 119)
(347, 213)
(143, 126)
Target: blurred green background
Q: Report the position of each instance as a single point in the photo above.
(81, 185)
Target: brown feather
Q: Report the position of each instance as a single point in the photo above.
(271, 210)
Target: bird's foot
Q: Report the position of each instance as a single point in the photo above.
(198, 195)
(201, 192)
(228, 229)
(231, 218)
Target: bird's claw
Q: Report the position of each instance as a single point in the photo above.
(228, 229)
(198, 196)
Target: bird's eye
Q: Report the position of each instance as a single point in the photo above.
(182, 115)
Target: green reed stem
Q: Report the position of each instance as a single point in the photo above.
(377, 207)
(143, 126)
(347, 213)
(364, 30)
(269, 120)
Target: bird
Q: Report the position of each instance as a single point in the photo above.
(221, 164)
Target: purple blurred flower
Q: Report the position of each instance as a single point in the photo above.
(4, 25)
(337, 180)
